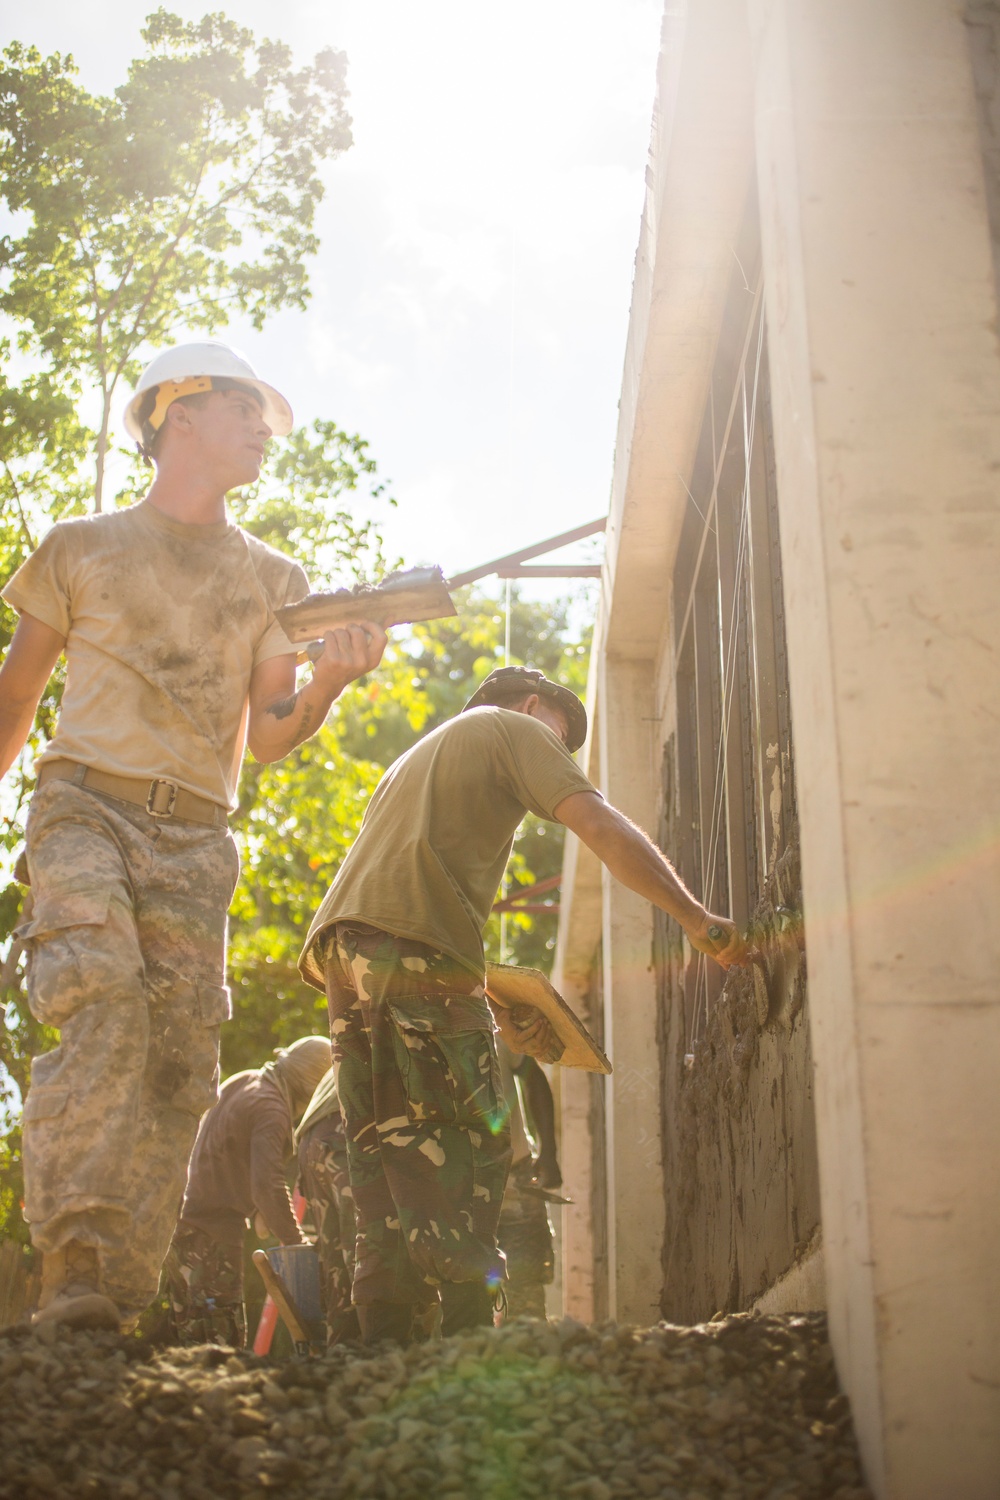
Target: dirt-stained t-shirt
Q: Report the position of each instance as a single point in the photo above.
(164, 623)
(431, 851)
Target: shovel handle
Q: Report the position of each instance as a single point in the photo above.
(282, 1300)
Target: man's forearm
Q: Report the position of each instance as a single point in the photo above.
(16, 720)
(290, 721)
(280, 720)
(27, 667)
(269, 1149)
(634, 859)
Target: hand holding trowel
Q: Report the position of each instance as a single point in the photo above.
(401, 599)
(526, 1008)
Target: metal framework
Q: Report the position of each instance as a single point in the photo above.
(512, 565)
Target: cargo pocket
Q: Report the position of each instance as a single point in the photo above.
(447, 1059)
(60, 941)
(44, 1103)
(45, 1130)
(182, 1066)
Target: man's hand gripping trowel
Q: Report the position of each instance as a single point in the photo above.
(769, 951)
(401, 599)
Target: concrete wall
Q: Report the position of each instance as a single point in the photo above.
(802, 1286)
(874, 145)
(710, 1180)
(886, 379)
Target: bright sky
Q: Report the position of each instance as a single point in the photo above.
(471, 294)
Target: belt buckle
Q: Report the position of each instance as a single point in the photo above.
(154, 786)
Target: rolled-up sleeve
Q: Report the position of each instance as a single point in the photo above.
(41, 586)
(533, 765)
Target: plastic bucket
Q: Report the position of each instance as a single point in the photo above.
(298, 1267)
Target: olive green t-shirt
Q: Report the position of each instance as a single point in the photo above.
(431, 852)
(164, 623)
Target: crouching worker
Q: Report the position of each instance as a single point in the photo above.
(237, 1173)
(321, 1149)
(397, 944)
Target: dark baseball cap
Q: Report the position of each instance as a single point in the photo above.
(513, 682)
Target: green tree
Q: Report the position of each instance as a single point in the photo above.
(187, 196)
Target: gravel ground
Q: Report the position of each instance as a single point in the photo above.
(746, 1407)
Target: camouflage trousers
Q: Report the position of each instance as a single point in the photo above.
(203, 1280)
(125, 956)
(326, 1184)
(525, 1236)
(428, 1142)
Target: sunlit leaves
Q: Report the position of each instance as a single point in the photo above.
(188, 195)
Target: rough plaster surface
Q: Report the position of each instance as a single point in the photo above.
(881, 299)
(801, 1289)
(739, 1130)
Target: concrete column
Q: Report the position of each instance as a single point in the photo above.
(634, 1148)
(575, 1156)
(886, 387)
(570, 976)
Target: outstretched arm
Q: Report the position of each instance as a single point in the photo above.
(280, 716)
(270, 1148)
(27, 667)
(635, 860)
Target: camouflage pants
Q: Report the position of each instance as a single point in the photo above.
(525, 1236)
(323, 1173)
(203, 1279)
(427, 1138)
(125, 954)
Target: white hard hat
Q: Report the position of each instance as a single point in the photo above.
(189, 362)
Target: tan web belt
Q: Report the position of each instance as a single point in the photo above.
(160, 798)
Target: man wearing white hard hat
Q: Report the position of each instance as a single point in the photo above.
(175, 661)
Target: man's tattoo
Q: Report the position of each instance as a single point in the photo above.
(284, 707)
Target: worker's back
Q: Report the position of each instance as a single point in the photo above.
(437, 834)
(239, 1158)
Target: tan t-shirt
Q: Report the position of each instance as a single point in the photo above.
(164, 622)
(435, 839)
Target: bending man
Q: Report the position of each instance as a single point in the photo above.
(397, 944)
(237, 1174)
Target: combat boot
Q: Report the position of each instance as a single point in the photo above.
(466, 1304)
(71, 1292)
(385, 1320)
